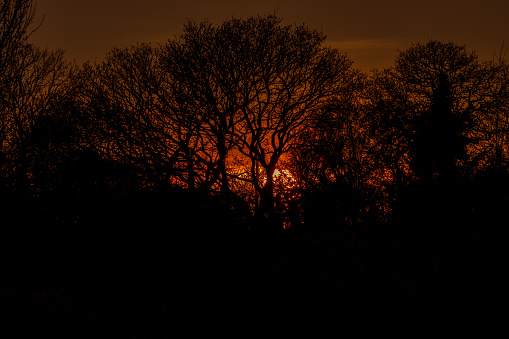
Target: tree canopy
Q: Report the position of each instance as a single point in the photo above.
(223, 110)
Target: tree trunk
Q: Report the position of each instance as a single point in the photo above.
(267, 211)
(222, 152)
(191, 184)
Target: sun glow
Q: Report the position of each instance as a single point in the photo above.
(284, 177)
(277, 173)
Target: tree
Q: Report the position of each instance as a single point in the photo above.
(205, 86)
(16, 16)
(252, 86)
(491, 131)
(120, 96)
(32, 81)
(439, 88)
(333, 147)
(389, 122)
(332, 161)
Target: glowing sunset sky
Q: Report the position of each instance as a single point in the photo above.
(370, 31)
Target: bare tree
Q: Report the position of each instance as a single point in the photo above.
(205, 86)
(42, 82)
(333, 147)
(31, 80)
(119, 95)
(16, 17)
(491, 131)
(253, 84)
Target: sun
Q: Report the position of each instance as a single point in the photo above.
(284, 177)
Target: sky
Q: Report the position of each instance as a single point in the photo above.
(371, 32)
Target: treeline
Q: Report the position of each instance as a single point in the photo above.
(259, 124)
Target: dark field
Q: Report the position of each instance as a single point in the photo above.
(151, 282)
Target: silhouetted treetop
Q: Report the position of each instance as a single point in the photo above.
(442, 88)
(252, 85)
(424, 66)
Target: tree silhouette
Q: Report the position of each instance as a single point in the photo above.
(15, 19)
(332, 161)
(425, 108)
(16, 16)
(492, 126)
(253, 85)
(448, 84)
(204, 89)
(389, 123)
(121, 94)
(32, 81)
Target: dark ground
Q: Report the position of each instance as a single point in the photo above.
(332, 282)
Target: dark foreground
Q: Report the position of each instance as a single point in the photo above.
(348, 280)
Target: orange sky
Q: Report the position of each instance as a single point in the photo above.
(370, 31)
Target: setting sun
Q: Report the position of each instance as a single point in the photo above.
(284, 177)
